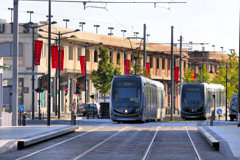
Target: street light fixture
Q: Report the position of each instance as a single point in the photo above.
(135, 34)
(81, 24)
(66, 20)
(148, 36)
(96, 25)
(33, 27)
(30, 12)
(110, 28)
(123, 31)
(11, 9)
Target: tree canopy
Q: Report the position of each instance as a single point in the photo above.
(102, 77)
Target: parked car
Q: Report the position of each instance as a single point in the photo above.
(233, 107)
(80, 109)
(92, 109)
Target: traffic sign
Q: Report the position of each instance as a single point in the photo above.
(219, 111)
(21, 108)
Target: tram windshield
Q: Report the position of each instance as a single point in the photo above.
(192, 95)
(127, 92)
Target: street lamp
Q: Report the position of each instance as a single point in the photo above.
(96, 25)
(59, 34)
(213, 48)
(222, 49)
(66, 20)
(123, 32)
(81, 24)
(33, 27)
(226, 90)
(148, 36)
(11, 9)
(110, 28)
(30, 12)
(135, 34)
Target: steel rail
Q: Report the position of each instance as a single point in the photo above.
(194, 147)
(150, 145)
(154, 2)
(69, 139)
(94, 147)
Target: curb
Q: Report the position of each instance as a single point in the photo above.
(30, 141)
(10, 146)
(212, 141)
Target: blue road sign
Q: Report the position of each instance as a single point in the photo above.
(21, 108)
(219, 111)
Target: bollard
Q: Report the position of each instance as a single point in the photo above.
(211, 118)
(24, 119)
(74, 120)
(40, 116)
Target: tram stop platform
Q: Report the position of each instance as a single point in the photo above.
(223, 136)
(14, 138)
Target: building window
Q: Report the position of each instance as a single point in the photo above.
(95, 56)
(6, 49)
(151, 62)
(118, 58)
(88, 55)
(163, 63)
(70, 56)
(111, 56)
(79, 53)
(157, 63)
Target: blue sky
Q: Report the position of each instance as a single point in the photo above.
(201, 21)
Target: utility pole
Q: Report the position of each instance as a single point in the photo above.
(172, 73)
(180, 65)
(144, 45)
(15, 65)
(238, 108)
(49, 66)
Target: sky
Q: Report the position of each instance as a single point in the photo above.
(212, 22)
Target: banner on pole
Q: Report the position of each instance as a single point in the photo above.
(193, 77)
(54, 52)
(127, 65)
(147, 68)
(37, 52)
(176, 74)
(62, 59)
(82, 63)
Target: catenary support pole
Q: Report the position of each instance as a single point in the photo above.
(59, 69)
(172, 74)
(49, 66)
(180, 66)
(238, 108)
(15, 65)
(144, 45)
(33, 79)
(226, 93)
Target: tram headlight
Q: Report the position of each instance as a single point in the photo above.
(137, 110)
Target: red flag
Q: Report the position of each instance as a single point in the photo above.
(54, 52)
(127, 65)
(82, 63)
(147, 68)
(176, 74)
(37, 51)
(62, 59)
(193, 77)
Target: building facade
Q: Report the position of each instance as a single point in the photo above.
(120, 49)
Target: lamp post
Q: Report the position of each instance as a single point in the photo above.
(30, 13)
(96, 25)
(123, 31)
(66, 20)
(226, 91)
(213, 48)
(81, 24)
(148, 35)
(33, 27)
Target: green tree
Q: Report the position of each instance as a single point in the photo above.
(140, 70)
(188, 74)
(204, 75)
(232, 74)
(102, 77)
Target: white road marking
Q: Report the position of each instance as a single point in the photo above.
(150, 145)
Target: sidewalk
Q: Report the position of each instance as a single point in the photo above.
(227, 134)
(13, 138)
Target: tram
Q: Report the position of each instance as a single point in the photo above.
(197, 99)
(136, 98)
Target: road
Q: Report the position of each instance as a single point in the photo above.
(111, 141)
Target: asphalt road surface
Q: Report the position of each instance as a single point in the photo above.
(111, 141)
